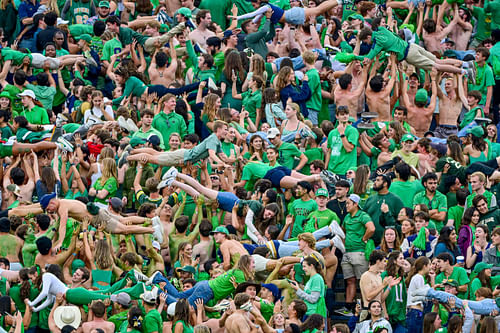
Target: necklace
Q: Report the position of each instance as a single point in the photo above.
(342, 210)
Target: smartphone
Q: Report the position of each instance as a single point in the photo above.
(233, 72)
(197, 256)
(358, 301)
(323, 21)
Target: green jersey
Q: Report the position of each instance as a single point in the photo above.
(112, 46)
(340, 159)
(222, 286)
(396, 301)
(301, 209)
(319, 219)
(287, 153)
(79, 12)
(406, 190)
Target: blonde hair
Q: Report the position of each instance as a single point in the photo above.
(209, 107)
(309, 239)
(106, 152)
(244, 266)
(103, 259)
(282, 78)
(108, 169)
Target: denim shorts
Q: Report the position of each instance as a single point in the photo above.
(275, 175)
(295, 15)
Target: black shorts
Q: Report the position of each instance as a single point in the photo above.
(487, 167)
(275, 175)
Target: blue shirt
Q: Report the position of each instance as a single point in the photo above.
(27, 9)
(277, 14)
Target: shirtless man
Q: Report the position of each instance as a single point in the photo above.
(239, 321)
(371, 284)
(401, 115)
(411, 88)
(379, 141)
(77, 210)
(450, 106)
(201, 33)
(463, 30)
(419, 116)
(345, 94)
(378, 95)
(47, 256)
(98, 310)
(11, 246)
(158, 71)
(434, 34)
(231, 250)
(358, 80)
(205, 246)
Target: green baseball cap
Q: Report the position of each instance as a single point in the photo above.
(220, 229)
(188, 268)
(186, 12)
(451, 282)
(355, 17)
(164, 28)
(481, 266)
(477, 131)
(321, 192)
(85, 37)
(421, 96)
(351, 120)
(104, 4)
(77, 263)
(407, 137)
(410, 27)
(135, 141)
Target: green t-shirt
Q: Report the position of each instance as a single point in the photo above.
(300, 210)
(44, 94)
(484, 79)
(410, 159)
(459, 274)
(153, 322)
(287, 153)
(111, 185)
(315, 85)
(76, 30)
(185, 327)
(493, 7)
(113, 46)
(406, 190)
(455, 213)
(312, 154)
(396, 301)
(6, 132)
(321, 218)
(16, 56)
(252, 172)
(476, 284)
(340, 159)
(127, 35)
(316, 284)
(252, 101)
(355, 230)
(222, 287)
(483, 23)
(170, 123)
(372, 207)
(36, 116)
(219, 9)
(200, 151)
(438, 202)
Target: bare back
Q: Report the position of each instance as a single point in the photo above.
(420, 119)
(379, 102)
(74, 208)
(238, 323)
(347, 98)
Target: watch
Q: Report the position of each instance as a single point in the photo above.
(342, 136)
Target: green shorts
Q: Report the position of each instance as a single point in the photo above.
(5, 150)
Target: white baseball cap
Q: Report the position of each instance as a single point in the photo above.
(27, 92)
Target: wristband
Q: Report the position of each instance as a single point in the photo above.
(342, 136)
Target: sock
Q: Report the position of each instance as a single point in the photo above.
(464, 71)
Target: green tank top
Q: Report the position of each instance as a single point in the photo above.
(186, 328)
(481, 158)
(79, 12)
(101, 276)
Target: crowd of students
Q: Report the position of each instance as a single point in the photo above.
(250, 166)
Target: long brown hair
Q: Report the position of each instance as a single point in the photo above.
(392, 267)
(233, 62)
(397, 241)
(181, 312)
(282, 78)
(108, 170)
(209, 107)
(48, 179)
(420, 263)
(24, 291)
(244, 266)
(361, 180)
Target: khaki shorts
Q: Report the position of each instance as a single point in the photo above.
(172, 158)
(420, 58)
(109, 221)
(38, 61)
(354, 264)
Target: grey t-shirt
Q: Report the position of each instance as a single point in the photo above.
(200, 151)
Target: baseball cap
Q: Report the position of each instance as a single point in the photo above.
(220, 229)
(355, 17)
(355, 198)
(135, 141)
(44, 201)
(188, 268)
(27, 92)
(451, 282)
(477, 131)
(104, 4)
(273, 289)
(85, 37)
(228, 33)
(154, 140)
(121, 298)
(321, 192)
(481, 266)
(273, 132)
(407, 137)
(116, 203)
(421, 95)
(150, 296)
(61, 21)
(156, 245)
(415, 75)
(77, 263)
(186, 12)
(14, 189)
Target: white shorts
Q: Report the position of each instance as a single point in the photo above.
(38, 60)
(260, 262)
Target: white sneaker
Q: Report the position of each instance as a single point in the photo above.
(211, 84)
(336, 229)
(338, 243)
(171, 173)
(67, 146)
(140, 277)
(11, 141)
(158, 229)
(150, 280)
(132, 126)
(123, 123)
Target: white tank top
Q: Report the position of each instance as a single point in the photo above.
(96, 175)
